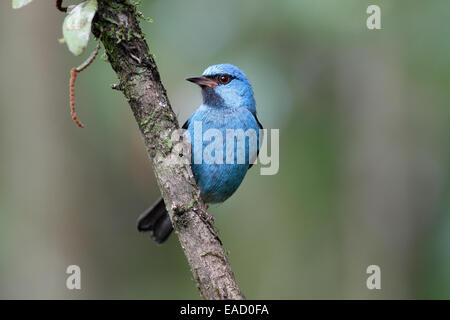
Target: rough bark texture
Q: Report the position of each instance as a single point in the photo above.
(129, 55)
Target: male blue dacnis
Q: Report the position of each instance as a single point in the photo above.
(228, 104)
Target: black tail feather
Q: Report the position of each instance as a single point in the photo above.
(156, 220)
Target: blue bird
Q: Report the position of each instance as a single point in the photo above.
(228, 103)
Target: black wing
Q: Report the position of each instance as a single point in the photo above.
(261, 127)
(186, 124)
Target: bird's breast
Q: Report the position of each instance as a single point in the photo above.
(223, 142)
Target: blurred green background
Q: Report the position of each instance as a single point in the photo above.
(364, 176)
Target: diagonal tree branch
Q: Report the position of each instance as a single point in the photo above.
(129, 55)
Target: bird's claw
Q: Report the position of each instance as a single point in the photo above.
(210, 216)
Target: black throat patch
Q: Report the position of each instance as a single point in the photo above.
(211, 98)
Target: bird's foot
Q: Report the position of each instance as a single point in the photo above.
(209, 215)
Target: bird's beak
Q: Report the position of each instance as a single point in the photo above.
(203, 81)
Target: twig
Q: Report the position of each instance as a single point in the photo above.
(60, 7)
(73, 77)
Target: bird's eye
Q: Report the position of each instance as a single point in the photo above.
(224, 78)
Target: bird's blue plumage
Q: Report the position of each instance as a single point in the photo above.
(217, 182)
(225, 106)
(237, 94)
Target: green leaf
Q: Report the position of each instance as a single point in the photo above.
(77, 26)
(17, 4)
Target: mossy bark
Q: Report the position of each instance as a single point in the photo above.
(118, 24)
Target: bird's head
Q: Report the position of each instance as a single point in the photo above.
(226, 86)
